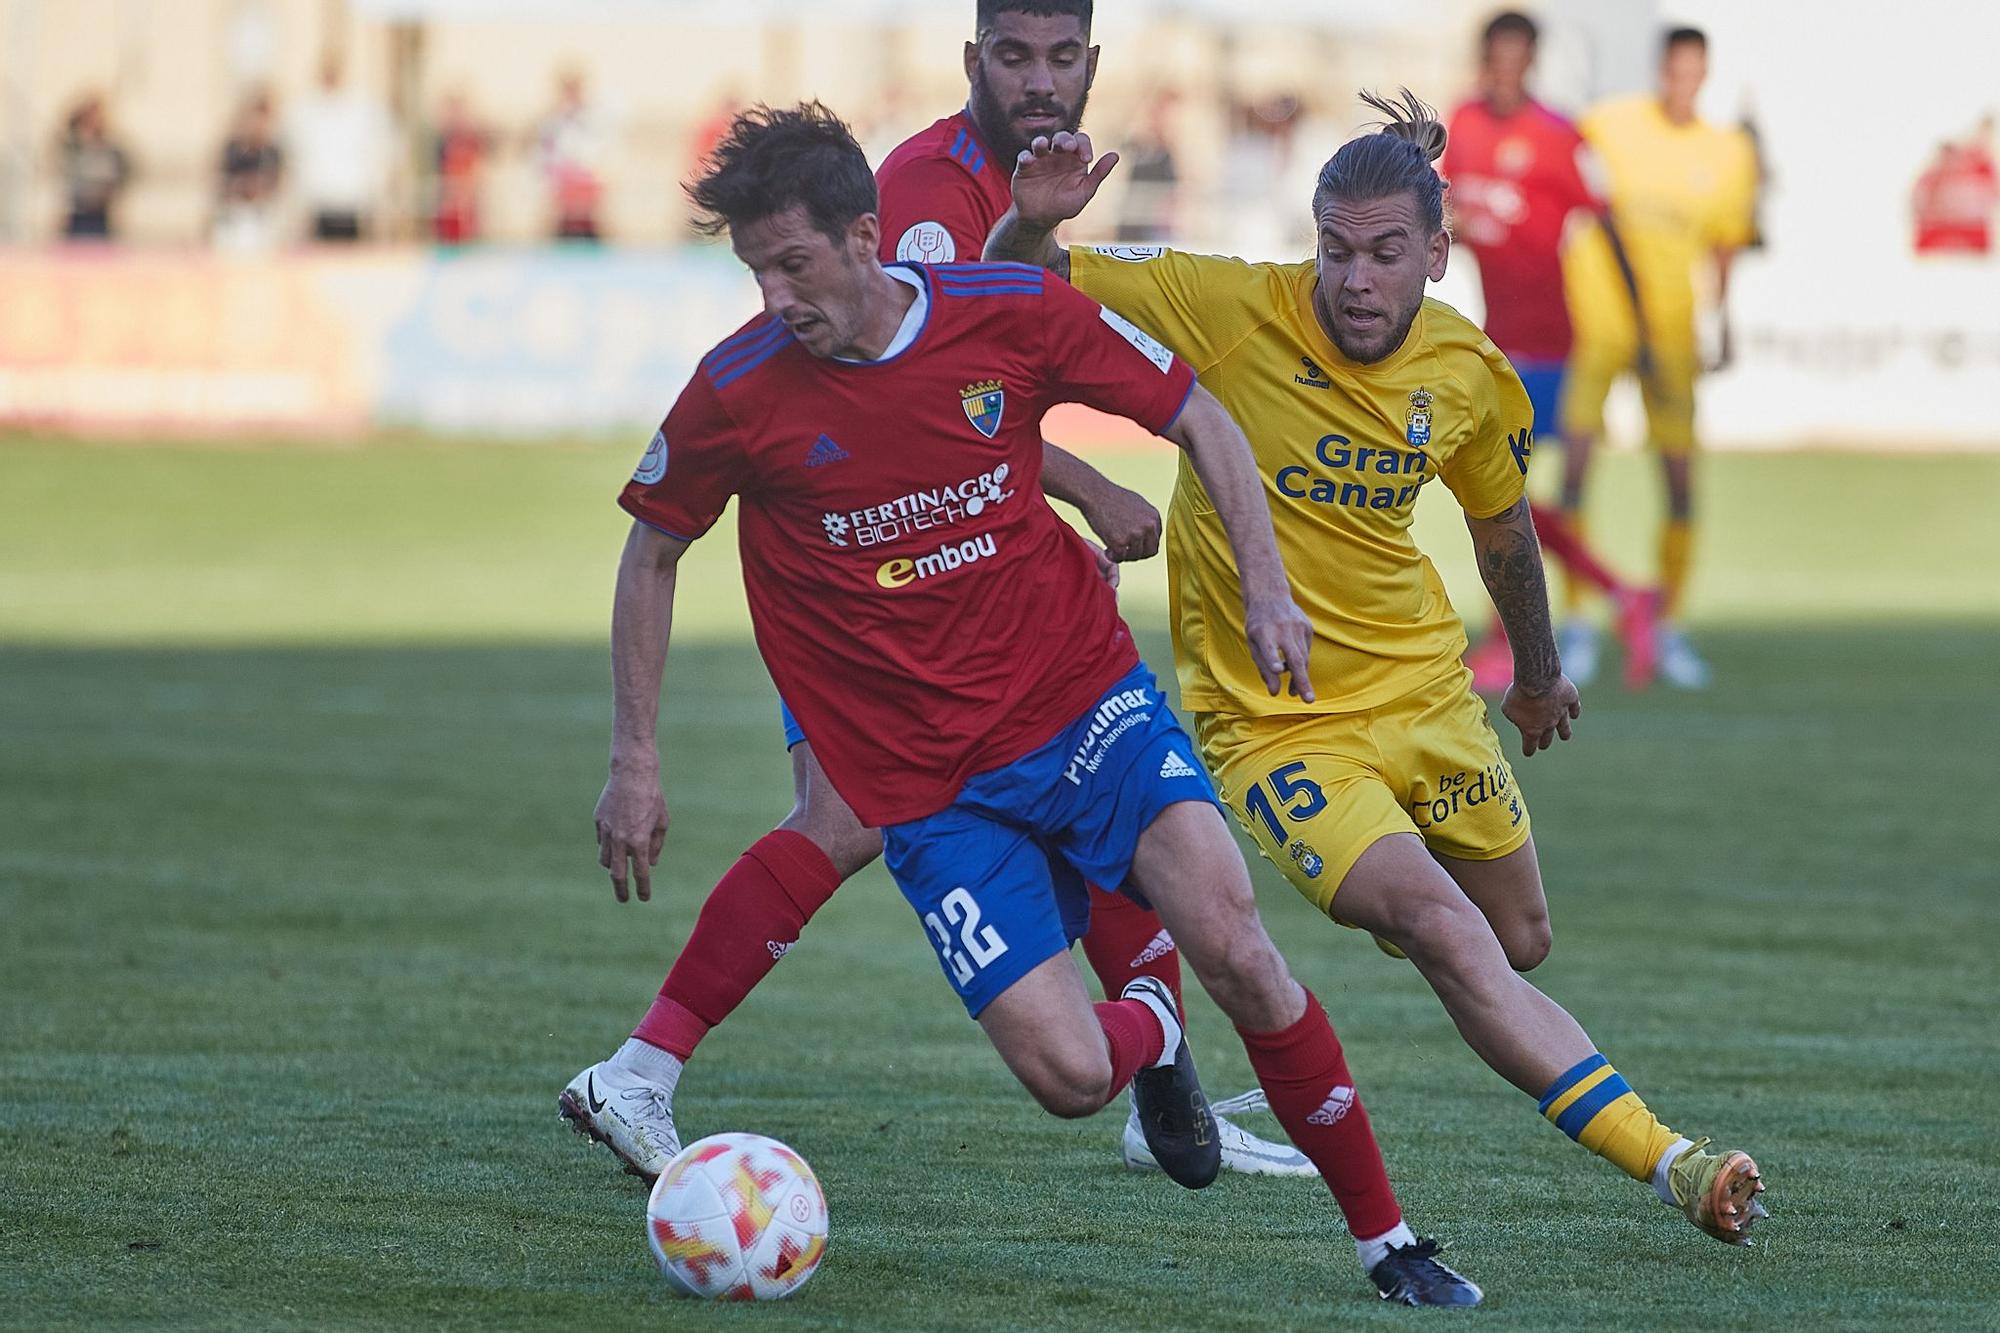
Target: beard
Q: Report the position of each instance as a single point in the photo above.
(996, 122)
(1369, 348)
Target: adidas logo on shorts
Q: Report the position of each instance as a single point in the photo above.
(1338, 1103)
(1176, 767)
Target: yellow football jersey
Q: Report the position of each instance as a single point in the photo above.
(1678, 193)
(1344, 449)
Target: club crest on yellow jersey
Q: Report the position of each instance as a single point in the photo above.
(984, 403)
(1417, 426)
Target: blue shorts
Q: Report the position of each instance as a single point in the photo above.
(999, 877)
(1544, 382)
(793, 733)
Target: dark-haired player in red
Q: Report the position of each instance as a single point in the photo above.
(967, 681)
(1517, 172)
(1030, 69)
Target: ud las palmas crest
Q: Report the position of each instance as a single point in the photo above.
(983, 403)
(1418, 428)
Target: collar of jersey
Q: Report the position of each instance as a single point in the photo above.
(920, 310)
(1334, 357)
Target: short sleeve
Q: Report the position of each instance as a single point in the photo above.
(1097, 357)
(1490, 472)
(1190, 302)
(693, 465)
(1733, 222)
(931, 213)
(1584, 181)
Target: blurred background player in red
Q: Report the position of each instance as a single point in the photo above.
(1030, 67)
(1952, 204)
(1518, 170)
(458, 151)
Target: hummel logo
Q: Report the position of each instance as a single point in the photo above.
(1176, 767)
(1338, 1103)
(590, 1094)
(824, 451)
(1159, 946)
(1314, 376)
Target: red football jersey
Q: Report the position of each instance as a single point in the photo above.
(942, 191)
(923, 611)
(1514, 182)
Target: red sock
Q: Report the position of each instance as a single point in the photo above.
(1133, 1033)
(1305, 1075)
(1557, 538)
(1125, 941)
(752, 916)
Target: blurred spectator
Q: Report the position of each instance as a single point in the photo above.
(95, 170)
(1954, 199)
(339, 149)
(459, 157)
(1151, 176)
(1264, 213)
(247, 183)
(570, 144)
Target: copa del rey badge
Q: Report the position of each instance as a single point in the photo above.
(1417, 428)
(983, 403)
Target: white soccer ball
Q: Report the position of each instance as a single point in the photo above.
(737, 1217)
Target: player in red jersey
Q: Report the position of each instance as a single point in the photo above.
(968, 682)
(1517, 173)
(1030, 70)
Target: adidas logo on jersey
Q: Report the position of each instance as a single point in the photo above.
(824, 451)
(1173, 766)
(1338, 1103)
(1159, 946)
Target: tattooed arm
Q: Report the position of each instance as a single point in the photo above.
(1541, 701)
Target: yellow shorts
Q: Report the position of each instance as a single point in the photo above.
(1668, 392)
(1315, 790)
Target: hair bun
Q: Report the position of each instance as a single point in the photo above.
(1411, 120)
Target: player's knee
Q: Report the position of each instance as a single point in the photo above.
(848, 844)
(1528, 943)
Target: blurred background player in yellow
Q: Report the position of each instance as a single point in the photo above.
(1683, 192)
(1383, 796)
(1518, 171)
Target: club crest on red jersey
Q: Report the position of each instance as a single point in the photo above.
(984, 403)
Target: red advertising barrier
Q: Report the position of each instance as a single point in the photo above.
(179, 343)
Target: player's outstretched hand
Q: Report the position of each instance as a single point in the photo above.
(1126, 522)
(631, 821)
(1280, 638)
(1054, 177)
(1542, 715)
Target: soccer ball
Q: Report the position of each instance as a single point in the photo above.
(737, 1217)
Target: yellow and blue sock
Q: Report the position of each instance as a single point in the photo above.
(1593, 1104)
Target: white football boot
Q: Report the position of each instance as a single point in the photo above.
(1679, 664)
(625, 1113)
(1242, 1151)
(1576, 644)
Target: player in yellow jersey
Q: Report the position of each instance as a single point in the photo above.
(1386, 799)
(1683, 192)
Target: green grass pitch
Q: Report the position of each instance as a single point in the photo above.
(301, 932)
